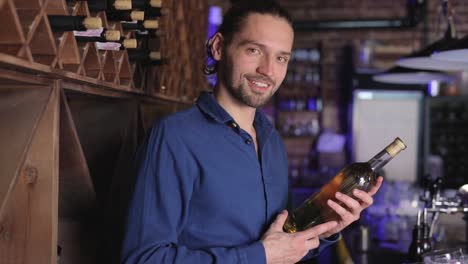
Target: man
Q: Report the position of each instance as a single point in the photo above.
(212, 184)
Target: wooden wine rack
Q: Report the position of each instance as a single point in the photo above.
(72, 117)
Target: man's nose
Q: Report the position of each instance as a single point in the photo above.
(266, 66)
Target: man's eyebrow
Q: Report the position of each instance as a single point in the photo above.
(252, 42)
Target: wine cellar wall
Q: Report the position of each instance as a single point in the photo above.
(73, 115)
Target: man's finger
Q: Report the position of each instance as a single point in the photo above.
(317, 230)
(373, 190)
(312, 243)
(277, 225)
(365, 197)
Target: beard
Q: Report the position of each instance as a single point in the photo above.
(242, 91)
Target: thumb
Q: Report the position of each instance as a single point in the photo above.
(277, 225)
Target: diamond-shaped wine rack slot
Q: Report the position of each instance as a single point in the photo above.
(67, 50)
(80, 9)
(91, 61)
(109, 69)
(56, 7)
(12, 38)
(28, 14)
(42, 43)
(69, 54)
(124, 69)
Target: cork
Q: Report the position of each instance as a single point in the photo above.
(130, 43)
(92, 22)
(155, 55)
(395, 147)
(137, 15)
(112, 35)
(151, 24)
(156, 3)
(123, 5)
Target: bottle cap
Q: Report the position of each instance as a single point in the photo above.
(155, 55)
(92, 22)
(130, 43)
(395, 147)
(112, 35)
(123, 5)
(137, 15)
(156, 3)
(151, 24)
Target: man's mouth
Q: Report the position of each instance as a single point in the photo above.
(259, 85)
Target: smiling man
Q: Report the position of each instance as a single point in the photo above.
(212, 182)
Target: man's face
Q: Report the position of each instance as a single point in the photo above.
(254, 64)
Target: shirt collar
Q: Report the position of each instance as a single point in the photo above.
(208, 105)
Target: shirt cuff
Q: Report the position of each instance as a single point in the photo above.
(253, 253)
(331, 239)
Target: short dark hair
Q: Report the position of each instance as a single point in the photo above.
(232, 23)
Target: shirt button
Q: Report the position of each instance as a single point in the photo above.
(248, 141)
(234, 125)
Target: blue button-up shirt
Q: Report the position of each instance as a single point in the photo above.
(202, 194)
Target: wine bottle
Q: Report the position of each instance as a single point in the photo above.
(60, 23)
(144, 4)
(146, 57)
(358, 175)
(121, 45)
(108, 5)
(125, 16)
(143, 34)
(140, 25)
(102, 35)
(156, 12)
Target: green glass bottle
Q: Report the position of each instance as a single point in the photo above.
(357, 175)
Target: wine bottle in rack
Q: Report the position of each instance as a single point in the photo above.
(60, 23)
(109, 5)
(146, 57)
(144, 4)
(120, 45)
(97, 35)
(125, 16)
(140, 25)
(156, 11)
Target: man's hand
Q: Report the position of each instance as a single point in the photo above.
(284, 248)
(354, 207)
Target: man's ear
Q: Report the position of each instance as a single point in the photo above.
(217, 46)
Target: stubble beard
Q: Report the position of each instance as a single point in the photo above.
(242, 92)
(252, 99)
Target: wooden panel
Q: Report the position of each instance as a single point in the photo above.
(76, 195)
(20, 110)
(29, 222)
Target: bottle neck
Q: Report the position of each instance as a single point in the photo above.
(379, 160)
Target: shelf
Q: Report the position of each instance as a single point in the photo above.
(15, 70)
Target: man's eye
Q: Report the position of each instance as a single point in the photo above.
(282, 59)
(253, 50)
